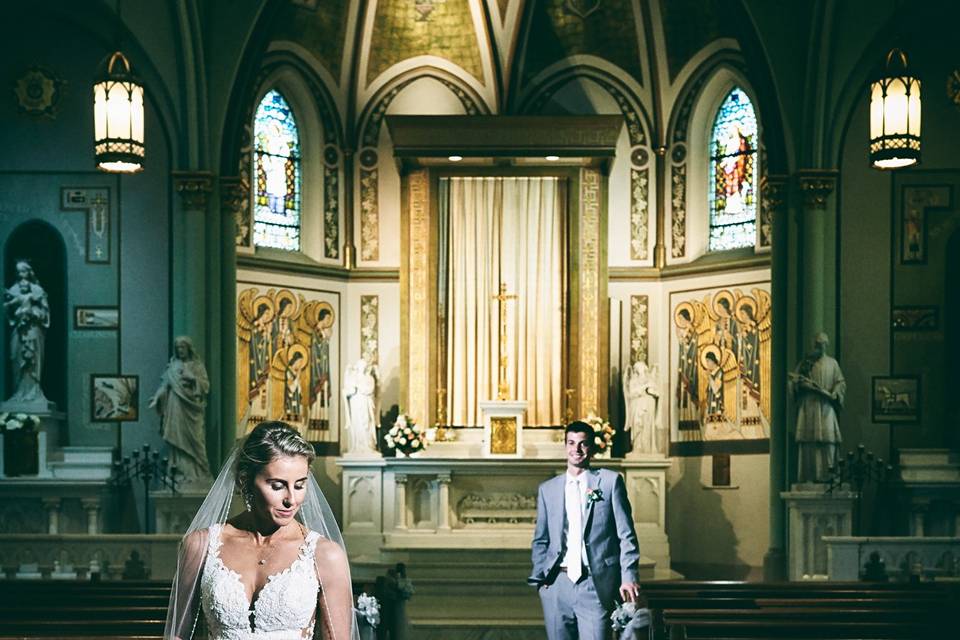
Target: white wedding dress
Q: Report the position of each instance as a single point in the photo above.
(283, 610)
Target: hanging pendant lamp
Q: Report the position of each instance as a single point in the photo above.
(118, 117)
(895, 115)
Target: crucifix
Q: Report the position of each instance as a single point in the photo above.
(503, 387)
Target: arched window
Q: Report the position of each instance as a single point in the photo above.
(276, 170)
(733, 172)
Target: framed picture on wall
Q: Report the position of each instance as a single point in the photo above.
(96, 318)
(114, 398)
(896, 399)
(915, 318)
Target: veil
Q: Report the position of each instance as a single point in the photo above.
(184, 609)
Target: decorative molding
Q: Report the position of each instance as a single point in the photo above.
(369, 215)
(639, 209)
(232, 198)
(331, 212)
(589, 330)
(682, 122)
(370, 329)
(194, 188)
(773, 191)
(678, 211)
(501, 508)
(38, 92)
(816, 186)
(639, 329)
(96, 203)
(735, 260)
(418, 241)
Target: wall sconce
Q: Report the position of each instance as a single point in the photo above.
(895, 115)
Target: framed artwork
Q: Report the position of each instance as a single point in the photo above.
(288, 361)
(720, 376)
(915, 318)
(96, 318)
(114, 398)
(896, 399)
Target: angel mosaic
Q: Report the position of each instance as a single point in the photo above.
(283, 360)
(722, 365)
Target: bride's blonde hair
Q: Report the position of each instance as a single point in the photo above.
(267, 442)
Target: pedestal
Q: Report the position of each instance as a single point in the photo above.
(173, 512)
(814, 514)
(48, 437)
(503, 428)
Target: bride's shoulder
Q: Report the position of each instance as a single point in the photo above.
(196, 540)
(326, 550)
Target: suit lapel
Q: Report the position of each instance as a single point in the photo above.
(593, 483)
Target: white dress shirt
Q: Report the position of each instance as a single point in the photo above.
(574, 499)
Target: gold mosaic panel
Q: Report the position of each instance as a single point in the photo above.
(404, 29)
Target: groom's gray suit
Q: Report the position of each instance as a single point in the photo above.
(611, 551)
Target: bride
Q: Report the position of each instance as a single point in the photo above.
(275, 571)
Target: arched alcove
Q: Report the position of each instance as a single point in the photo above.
(42, 246)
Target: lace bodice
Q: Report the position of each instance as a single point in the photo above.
(284, 609)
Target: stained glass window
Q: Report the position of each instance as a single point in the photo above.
(276, 170)
(733, 169)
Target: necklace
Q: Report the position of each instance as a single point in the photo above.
(262, 560)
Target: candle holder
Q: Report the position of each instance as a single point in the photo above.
(147, 466)
(855, 471)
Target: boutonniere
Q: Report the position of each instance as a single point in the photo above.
(594, 495)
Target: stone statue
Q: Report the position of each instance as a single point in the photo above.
(641, 392)
(181, 401)
(360, 397)
(28, 312)
(819, 388)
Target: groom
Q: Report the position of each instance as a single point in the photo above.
(584, 545)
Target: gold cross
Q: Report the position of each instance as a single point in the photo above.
(503, 388)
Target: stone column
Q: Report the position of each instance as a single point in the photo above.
(234, 205)
(189, 294)
(52, 505)
(400, 518)
(818, 252)
(774, 200)
(443, 513)
(92, 507)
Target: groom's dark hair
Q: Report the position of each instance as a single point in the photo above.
(578, 426)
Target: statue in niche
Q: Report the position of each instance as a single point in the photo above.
(28, 312)
(819, 389)
(181, 402)
(360, 396)
(641, 392)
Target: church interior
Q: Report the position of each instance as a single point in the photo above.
(430, 233)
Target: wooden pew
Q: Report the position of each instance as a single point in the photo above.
(808, 610)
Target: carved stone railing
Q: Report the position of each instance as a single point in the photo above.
(903, 557)
(78, 556)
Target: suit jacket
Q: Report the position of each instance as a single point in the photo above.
(608, 534)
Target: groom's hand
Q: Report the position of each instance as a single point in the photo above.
(630, 592)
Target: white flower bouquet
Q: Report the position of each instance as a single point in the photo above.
(406, 436)
(14, 421)
(629, 621)
(369, 609)
(602, 433)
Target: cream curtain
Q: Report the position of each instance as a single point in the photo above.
(508, 230)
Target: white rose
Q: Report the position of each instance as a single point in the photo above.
(14, 424)
(415, 444)
(402, 440)
(21, 416)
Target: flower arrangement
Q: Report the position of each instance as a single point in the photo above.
(628, 619)
(369, 609)
(406, 436)
(594, 495)
(602, 433)
(14, 421)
